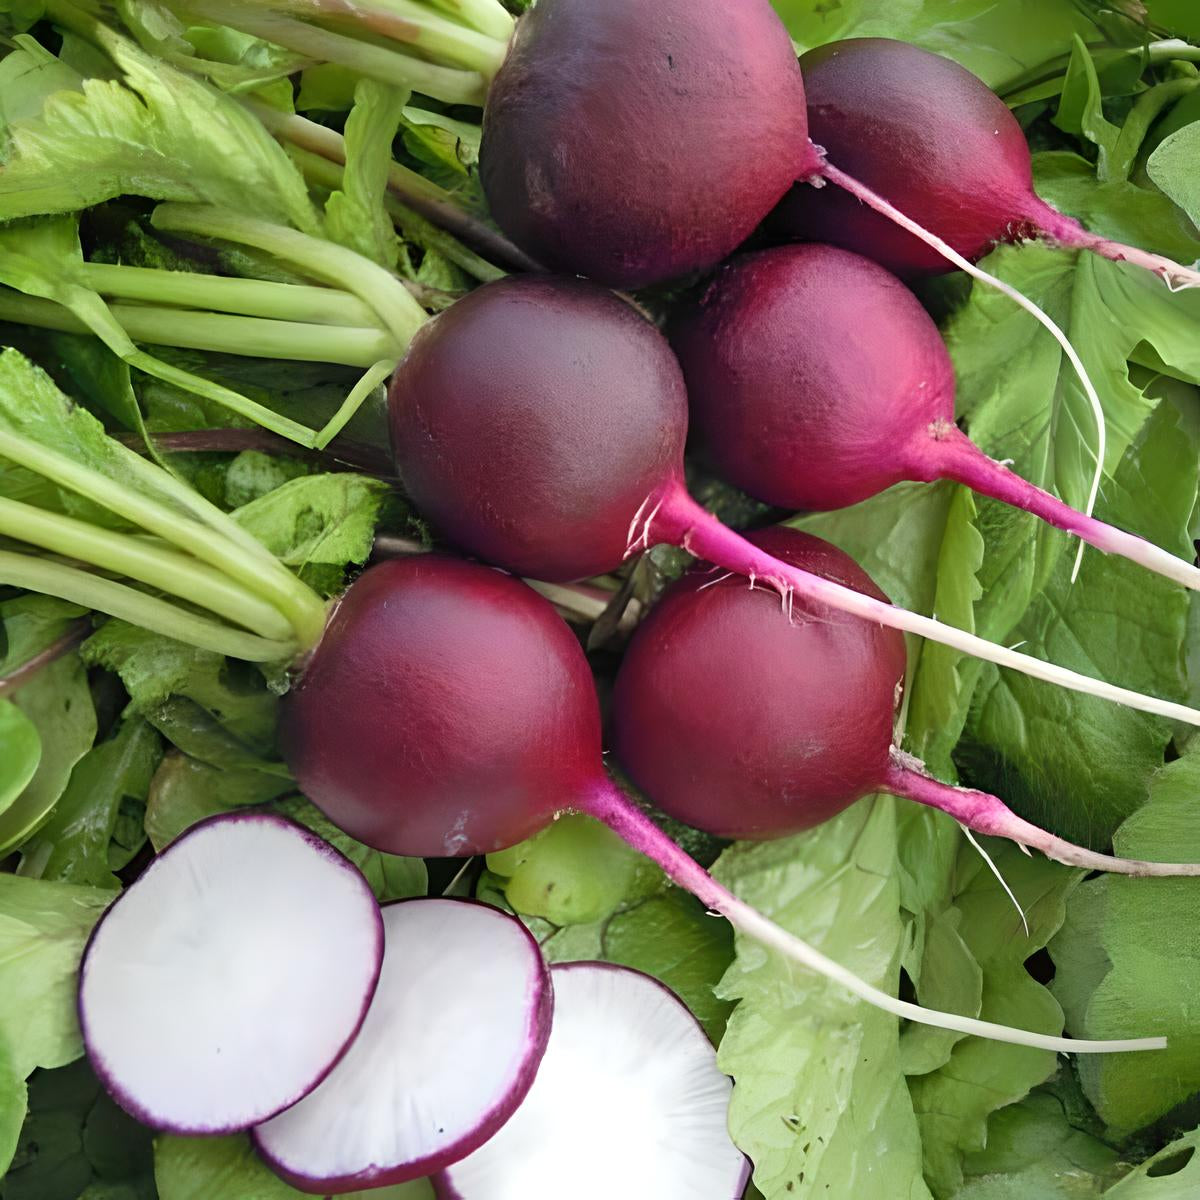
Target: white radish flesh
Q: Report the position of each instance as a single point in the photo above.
(230, 977)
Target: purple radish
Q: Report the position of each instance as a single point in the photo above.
(816, 379)
(711, 90)
(804, 729)
(933, 140)
(450, 711)
(540, 424)
(449, 1049)
(227, 981)
(629, 1101)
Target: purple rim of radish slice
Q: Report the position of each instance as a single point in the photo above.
(247, 897)
(627, 1060)
(448, 1051)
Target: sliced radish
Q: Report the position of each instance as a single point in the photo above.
(448, 1051)
(628, 1103)
(226, 982)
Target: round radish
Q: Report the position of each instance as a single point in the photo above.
(449, 711)
(934, 140)
(567, 180)
(448, 1051)
(540, 424)
(629, 1102)
(804, 727)
(226, 982)
(816, 379)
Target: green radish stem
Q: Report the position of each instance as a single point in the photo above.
(381, 291)
(128, 604)
(222, 293)
(873, 200)
(354, 401)
(451, 84)
(222, 333)
(165, 569)
(407, 189)
(488, 16)
(189, 525)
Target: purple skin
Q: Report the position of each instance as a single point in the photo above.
(443, 1187)
(541, 1015)
(816, 380)
(103, 1072)
(712, 89)
(933, 139)
(805, 725)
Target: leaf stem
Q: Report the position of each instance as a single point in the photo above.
(128, 604)
(229, 294)
(21, 675)
(387, 297)
(354, 401)
(156, 566)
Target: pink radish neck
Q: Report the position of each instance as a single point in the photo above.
(675, 518)
(1066, 231)
(607, 803)
(988, 815)
(952, 455)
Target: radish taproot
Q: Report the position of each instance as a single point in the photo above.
(449, 1048)
(805, 726)
(629, 1102)
(816, 380)
(932, 139)
(449, 711)
(540, 423)
(228, 980)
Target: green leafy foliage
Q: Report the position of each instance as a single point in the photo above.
(1118, 939)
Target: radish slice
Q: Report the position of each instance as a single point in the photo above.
(628, 1103)
(226, 982)
(456, 1031)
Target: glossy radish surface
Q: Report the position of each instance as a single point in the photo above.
(629, 1102)
(713, 91)
(816, 380)
(804, 726)
(450, 1046)
(930, 137)
(227, 981)
(540, 422)
(450, 711)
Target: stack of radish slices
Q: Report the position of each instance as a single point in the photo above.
(249, 980)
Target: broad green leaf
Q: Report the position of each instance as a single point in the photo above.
(76, 845)
(27, 76)
(317, 524)
(355, 216)
(1117, 622)
(56, 702)
(817, 1073)
(43, 928)
(207, 1168)
(20, 751)
(1033, 1153)
(161, 134)
(1180, 16)
(1129, 961)
(954, 1102)
(1081, 108)
(1175, 167)
(1171, 1174)
(13, 1100)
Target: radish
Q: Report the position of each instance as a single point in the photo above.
(629, 1101)
(805, 726)
(227, 981)
(449, 711)
(450, 1046)
(540, 424)
(939, 145)
(816, 379)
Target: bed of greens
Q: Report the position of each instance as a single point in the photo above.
(251, 366)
